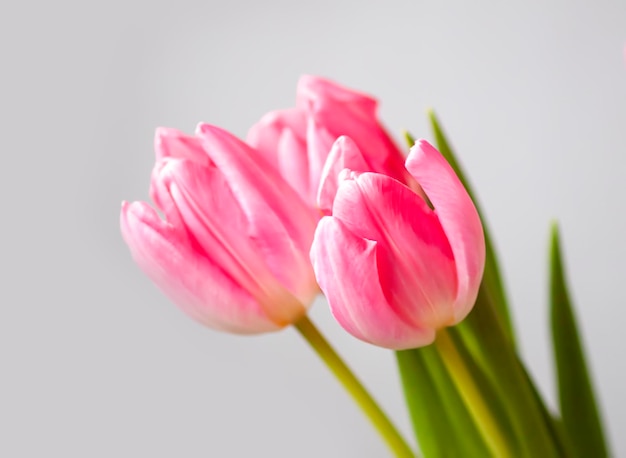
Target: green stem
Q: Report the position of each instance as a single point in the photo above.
(378, 418)
(466, 384)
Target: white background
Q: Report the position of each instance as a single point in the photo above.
(96, 362)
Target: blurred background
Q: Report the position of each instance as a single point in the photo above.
(96, 362)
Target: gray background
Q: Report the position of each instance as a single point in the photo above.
(96, 362)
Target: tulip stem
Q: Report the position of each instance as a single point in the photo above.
(469, 391)
(360, 395)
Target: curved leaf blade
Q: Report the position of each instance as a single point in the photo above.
(579, 411)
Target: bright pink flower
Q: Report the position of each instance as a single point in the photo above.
(298, 140)
(394, 270)
(233, 249)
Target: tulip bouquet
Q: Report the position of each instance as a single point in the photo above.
(319, 198)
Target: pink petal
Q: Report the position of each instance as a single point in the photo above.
(343, 111)
(161, 196)
(292, 163)
(194, 284)
(343, 155)
(320, 95)
(319, 144)
(280, 223)
(171, 143)
(203, 201)
(214, 218)
(347, 271)
(419, 278)
(280, 137)
(265, 134)
(267, 200)
(458, 217)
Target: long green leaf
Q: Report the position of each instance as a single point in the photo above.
(486, 338)
(516, 387)
(554, 423)
(479, 395)
(492, 279)
(483, 337)
(581, 418)
(441, 422)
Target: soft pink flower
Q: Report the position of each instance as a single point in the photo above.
(394, 270)
(233, 249)
(298, 140)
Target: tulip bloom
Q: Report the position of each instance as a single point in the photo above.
(395, 270)
(297, 140)
(233, 249)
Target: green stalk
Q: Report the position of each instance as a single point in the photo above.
(360, 395)
(466, 384)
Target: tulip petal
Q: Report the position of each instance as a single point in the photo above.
(343, 155)
(206, 207)
(197, 286)
(492, 285)
(265, 134)
(280, 137)
(319, 143)
(343, 111)
(347, 270)
(272, 207)
(322, 95)
(293, 164)
(211, 213)
(279, 222)
(458, 217)
(417, 266)
(172, 143)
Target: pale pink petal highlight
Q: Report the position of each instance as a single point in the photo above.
(293, 164)
(174, 144)
(343, 155)
(265, 134)
(280, 137)
(321, 95)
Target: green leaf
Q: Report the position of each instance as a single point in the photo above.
(581, 418)
(486, 339)
(483, 337)
(554, 424)
(410, 139)
(479, 395)
(492, 280)
(441, 422)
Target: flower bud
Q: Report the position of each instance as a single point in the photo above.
(232, 251)
(395, 270)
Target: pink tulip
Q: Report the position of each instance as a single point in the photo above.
(393, 269)
(298, 140)
(233, 249)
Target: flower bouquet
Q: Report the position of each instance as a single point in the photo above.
(320, 199)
